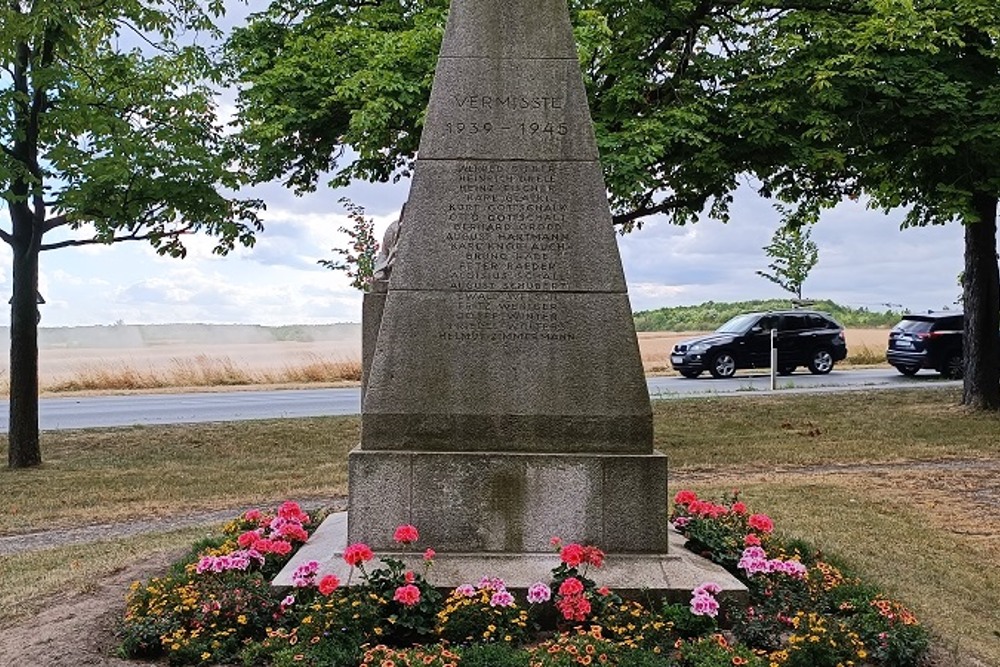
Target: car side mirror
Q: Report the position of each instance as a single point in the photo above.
(756, 329)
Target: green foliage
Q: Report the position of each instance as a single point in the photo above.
(316, 78)
(493, 655)
(715, 651)
(709, 315)
(794, 254)
(359, 257)
(116, 144)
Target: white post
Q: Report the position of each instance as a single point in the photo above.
(774, 361)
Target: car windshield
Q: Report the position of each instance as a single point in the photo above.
(739, 324)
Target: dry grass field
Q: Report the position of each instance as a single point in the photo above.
(231, 364)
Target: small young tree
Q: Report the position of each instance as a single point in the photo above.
(794, 254)
(359, 258)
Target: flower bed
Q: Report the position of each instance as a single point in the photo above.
(217, 606)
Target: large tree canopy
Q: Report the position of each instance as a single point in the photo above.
(899, 101)
(894, 100)
(317, 77)
(102, 142)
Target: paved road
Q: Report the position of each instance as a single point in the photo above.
(103, 411)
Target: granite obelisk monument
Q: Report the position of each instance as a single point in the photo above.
(505, 400)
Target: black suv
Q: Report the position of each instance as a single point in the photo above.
(804, 338)
(927, 340)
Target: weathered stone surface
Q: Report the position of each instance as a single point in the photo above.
(507, 371)
(503, 225)
(372, 306)
(492, 29)
(508, 109)
(515, 503)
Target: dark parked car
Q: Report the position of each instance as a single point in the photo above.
(804, 338)
(927, 340)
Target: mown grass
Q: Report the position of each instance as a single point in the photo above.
(821, 464)
(29, 579)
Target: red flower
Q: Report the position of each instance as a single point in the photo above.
(281, 547)
(247, 539)
(685, 497)
(252, 515)
(572, 554)
(409, 576)
(328, 584)
(408, 595)
(761, 522)
(290, 510)
(429, 555)
(293, 531)
(358, 553)
(594, 556)
(406, 534)
(739, 508)
(603, 590)
(751, 540)
(574, 607)
(555, 541)
(570, 586)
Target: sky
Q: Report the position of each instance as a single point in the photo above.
(865, 260)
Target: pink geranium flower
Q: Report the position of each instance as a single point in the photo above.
(685, 497)
(328, 584)
(406, 534)
(501, 599)
(570, 586)
(429, 555)
(572, 554)
(408, 595)
(539, 592)
(704, 605)
(761, 522)
(358, 553)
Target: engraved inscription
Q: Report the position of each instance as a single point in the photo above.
(506, 317)
(507, 229)
(508, 102)
(514, 116)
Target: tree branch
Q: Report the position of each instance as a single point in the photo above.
(52, 223)
(135, 236)
(693, 202)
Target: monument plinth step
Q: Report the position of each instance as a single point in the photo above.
(671, 575)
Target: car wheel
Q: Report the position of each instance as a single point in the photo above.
(786, 370)
(821, 362)
(690, 374)
(723, 365)
(953, 368)
(908, 371)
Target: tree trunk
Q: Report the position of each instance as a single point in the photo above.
(981, 387)
(24, 449)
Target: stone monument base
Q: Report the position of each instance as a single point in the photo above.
(670, 576)
(509, 502)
